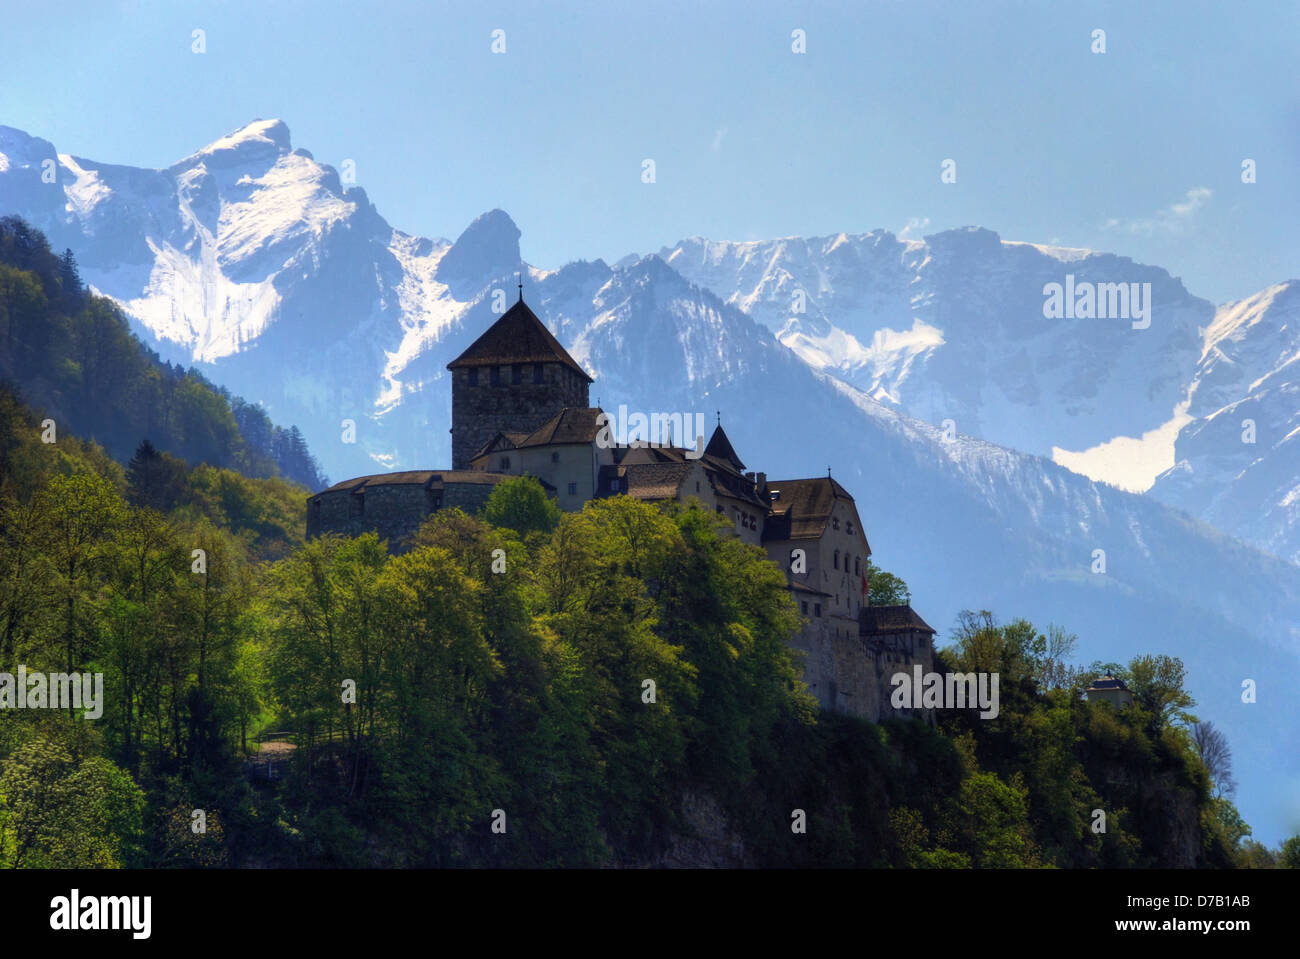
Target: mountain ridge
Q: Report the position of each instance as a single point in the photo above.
(359, 321)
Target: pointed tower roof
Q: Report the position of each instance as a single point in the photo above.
(720, 448)
(518, 337)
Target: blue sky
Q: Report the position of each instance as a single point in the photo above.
(1137, 150)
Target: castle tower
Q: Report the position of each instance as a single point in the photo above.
(513, 378)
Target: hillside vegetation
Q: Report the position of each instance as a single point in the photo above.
(73, 355)
(496, 675)
(520, 688)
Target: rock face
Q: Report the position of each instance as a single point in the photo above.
(708, 841)
(486, 249)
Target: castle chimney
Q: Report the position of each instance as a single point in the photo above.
(762, 480)
(750, 477)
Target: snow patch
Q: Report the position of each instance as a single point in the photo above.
(1127, 462)
(87, 191)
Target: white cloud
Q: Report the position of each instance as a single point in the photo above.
(1173, 219)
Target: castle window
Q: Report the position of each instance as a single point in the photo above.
(357, 504)
(573, 489)
(538, 376)
(837, 559)
(697, 486)
(613, 485)
(516, 374)
(817, 609)
(835, 524)
(555, 457)
(848, 528)
(803, 607)
(495, 376)
(857, 570)
(473, 376)
(505, 462)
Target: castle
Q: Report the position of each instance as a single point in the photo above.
(520, 407)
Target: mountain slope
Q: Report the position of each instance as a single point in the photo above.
(954, 328)
(1238, 461)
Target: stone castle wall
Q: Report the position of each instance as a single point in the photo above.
(850, 673)
(393, 510)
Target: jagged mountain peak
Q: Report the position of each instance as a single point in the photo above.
(17, 147)
(488, 247)
(256, 140)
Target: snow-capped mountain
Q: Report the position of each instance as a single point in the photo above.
(255, 262)
(954, 328)
(1238, 460)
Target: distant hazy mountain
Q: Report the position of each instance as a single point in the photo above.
(254, 261)
(1238, 461)
(953, 327)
